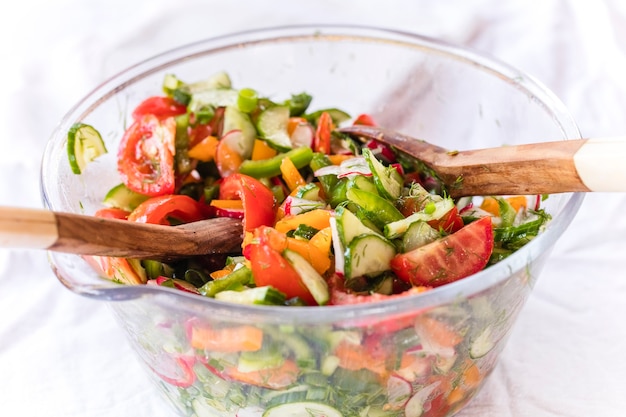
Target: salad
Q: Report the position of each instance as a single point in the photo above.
(329, 219)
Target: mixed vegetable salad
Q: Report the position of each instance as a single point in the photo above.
(329, 219)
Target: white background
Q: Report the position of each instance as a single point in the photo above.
(61, 354)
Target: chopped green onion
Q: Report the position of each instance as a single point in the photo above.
(247, 100)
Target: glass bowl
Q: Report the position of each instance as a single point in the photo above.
(426, 354)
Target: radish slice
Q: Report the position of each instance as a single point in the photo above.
(398, 392)
(302, 135)
(233, 140)
(415, 406)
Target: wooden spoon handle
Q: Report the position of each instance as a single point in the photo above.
(27, 228)
(75, 233)
(580, 165)
(601, 164)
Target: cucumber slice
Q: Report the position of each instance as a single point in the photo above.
(219, 80)
(387, 179)
(368, 255)
(302, 409)
(363, 183)
(378, 209)
(312, 280)
(438, 210)
(482, 344)
(258, 295)
(272, 126)
(122, 197)
(418, 234)
(309, 191)
(338, 116)
(235, 119)
(215, 97)
(349, 226)
(84, 144)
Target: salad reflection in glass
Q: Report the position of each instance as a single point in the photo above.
(328, 220)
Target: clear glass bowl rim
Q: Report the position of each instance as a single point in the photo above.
(481, 281)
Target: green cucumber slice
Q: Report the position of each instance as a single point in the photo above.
(312, 280)
(235, 119)
(363, 183)
(482, 344)
(84, 144)
(309, 191)
(387, 179)
(338, 116)
(124, 198)
(219, 80)
(302, 409)
(368, 255)
(438, 210)
(257, 295)
(272, 126)
(378, 209)
(349, 226)
(418, 234)
(215, 97)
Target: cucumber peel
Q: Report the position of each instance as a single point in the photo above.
(84, 144)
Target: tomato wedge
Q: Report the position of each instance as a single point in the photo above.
(160, 106)
(365, 120)
(258, 201)
(145, 159)
(270, 268)
(446, 260)
(449, 223)
(162, 209)
(112, 213)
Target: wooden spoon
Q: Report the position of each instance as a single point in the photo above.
(579, 165)
(89, 235)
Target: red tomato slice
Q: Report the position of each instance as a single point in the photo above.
(365, 120)
(258, 201)
(158, 210)
(112, 213)
(449, 223)
(451, 258)
(160, 106)
(270, 268)
(145, 159)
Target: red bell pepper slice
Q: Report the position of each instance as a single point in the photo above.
(258, 201)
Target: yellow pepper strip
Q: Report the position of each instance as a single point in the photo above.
(338, 159)
(322, 240)
(318, 259)
(230, 339)
(277, 240)
(318, 218)
(227, 204)
(262, 150)
(518, 202)
(291, 175)
(490, 205)
(220, 273)
(205, 149)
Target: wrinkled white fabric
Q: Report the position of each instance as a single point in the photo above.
(62, 354)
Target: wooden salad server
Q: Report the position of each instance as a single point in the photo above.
(90, 235)
(577, 165)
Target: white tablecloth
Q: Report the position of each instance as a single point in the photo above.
(62, 355)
